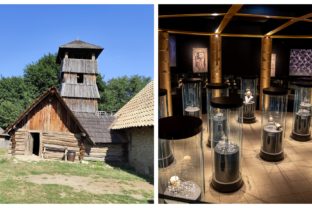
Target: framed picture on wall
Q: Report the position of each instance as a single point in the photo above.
(200, 60)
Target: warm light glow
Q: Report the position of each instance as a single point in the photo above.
(214, 14)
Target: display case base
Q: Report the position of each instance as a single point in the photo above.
(300, 138)
(226, 188)
(272, 158)
(249, 120)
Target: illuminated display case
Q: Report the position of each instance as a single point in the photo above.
(226, 143)
(192, 97)
(249, 96)
(302, 111)
(165, 156)
(184, 178)
(214, 90)
(274, 107)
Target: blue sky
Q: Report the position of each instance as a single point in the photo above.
(125, 31)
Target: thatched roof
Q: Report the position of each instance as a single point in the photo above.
(98, 128)
(79, 47)
(79, 91)
(138, 112)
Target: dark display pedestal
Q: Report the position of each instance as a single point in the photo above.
(227, 176)
(272, 144)
(249, 113)
(301, 131)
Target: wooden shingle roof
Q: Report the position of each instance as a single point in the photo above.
(98, 128)
(138, 112)
(79, 91)
(78, 47)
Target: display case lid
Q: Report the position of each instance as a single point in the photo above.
(275, 91)
(226, 102)
(162, 92)
(216, 86)
(179, 127)
(303, 84)
(189, 80)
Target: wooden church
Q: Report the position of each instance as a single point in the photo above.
(68, 119)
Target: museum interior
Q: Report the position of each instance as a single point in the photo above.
(235, 102)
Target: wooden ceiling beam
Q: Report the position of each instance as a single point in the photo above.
(191, 15)
(168, 16)
(183, 32)
(288, 23)
(227, 17)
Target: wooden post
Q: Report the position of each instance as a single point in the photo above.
(215, 59)
(265, 70)
(164, 66)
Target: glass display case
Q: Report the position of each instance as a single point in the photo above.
(226, 143)
(214, 90)
(274, 107)
(184, 178)
(249, 96)
(192, 97)
(302, 111)
(165, 156)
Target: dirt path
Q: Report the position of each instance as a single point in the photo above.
(92, 185)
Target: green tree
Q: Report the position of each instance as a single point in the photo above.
(14, 98)
(42, 75)
(9, 112)
(118, 91)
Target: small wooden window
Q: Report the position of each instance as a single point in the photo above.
(79, 78)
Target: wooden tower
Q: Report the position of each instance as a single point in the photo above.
(79, 69)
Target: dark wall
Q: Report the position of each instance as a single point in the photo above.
(241, 56)
(282, 49)
(185, 45)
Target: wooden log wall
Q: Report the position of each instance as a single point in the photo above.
(82, 105)
(59, 141)
(71, 78)
(49, 115)
(17, 144)
(107, 153)
(79, 65)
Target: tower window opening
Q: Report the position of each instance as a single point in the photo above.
(80, 78)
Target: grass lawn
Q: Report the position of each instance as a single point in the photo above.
(65, 182)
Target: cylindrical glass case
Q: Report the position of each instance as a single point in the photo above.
(302, 111)
(274, 110)
(214, 90)
(184, 178)
(192, 97)
(249, 96)
(226, 143)
(165, 156)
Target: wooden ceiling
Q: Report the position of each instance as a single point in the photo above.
(276, 21)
